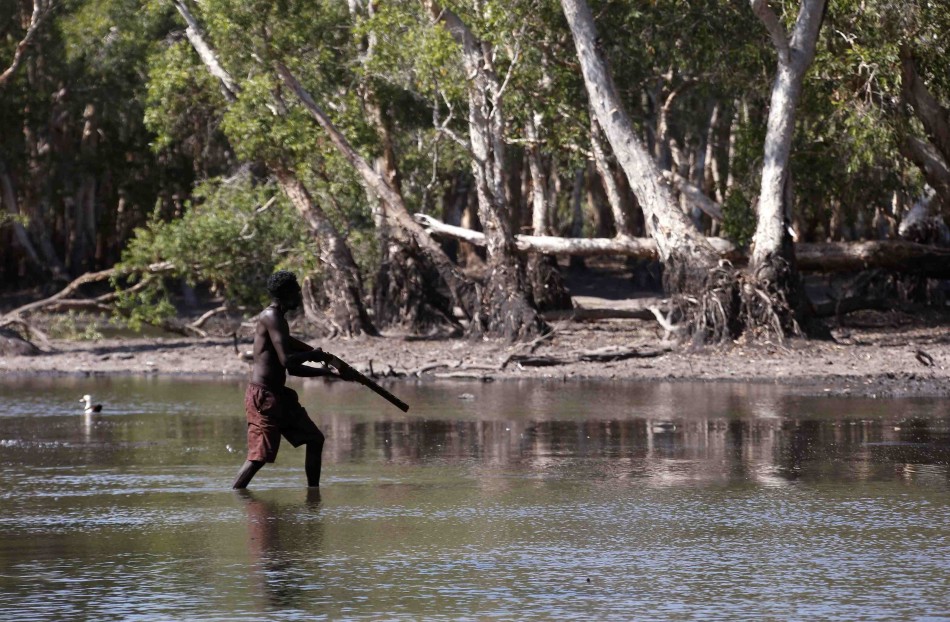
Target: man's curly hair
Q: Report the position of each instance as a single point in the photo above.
(281, 283)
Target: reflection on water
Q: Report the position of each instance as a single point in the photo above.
(505, 500)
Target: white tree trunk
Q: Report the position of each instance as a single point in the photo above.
(897, 255)
(642, 248)
(508, 309)
(8, 197)
(673, 232)
(794, 57)
(621, 220)
(539, 194)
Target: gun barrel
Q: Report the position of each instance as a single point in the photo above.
(342, 365)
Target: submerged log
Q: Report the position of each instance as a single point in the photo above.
(896, 255)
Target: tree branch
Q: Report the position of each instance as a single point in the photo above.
(774, 27)
(229, 87)
(37, 18)
(694, 195)
(89, 277)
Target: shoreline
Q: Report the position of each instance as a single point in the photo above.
(894, 359)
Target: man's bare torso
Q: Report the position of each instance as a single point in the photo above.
(267, 369)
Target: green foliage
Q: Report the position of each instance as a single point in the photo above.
(183, 99)
(738, 217)
(259, 134)
(6, 218)
(409, 53)
(75, 326)
(162, 122)
(232, 235)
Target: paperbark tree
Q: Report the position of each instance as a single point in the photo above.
(547, 284)
(506, 302)
(773, 256)
(41, 10)
(933, 155)
(8, 199)
(729, 302)
(691, 265)
(343, 286)
(621, 220)
(420, 266)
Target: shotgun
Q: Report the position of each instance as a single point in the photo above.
(346, 371)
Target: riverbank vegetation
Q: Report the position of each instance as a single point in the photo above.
(422, 165)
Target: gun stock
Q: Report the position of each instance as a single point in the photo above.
(342, 366)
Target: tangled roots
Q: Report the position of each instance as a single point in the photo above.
(766, 312)
(732, 304)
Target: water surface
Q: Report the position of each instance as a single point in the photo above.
(507, 500)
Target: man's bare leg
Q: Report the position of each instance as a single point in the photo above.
(247, 472)
(314, 462)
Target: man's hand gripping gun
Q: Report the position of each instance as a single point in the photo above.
(346, 372)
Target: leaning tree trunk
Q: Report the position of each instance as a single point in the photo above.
(8, 198)
(773, 269)
(460, 292)
(686, 255)
(933, 155)
(691, 265)
(507, 307)
(342, 286)
(344, 290)
(406, 291)
(41, 12)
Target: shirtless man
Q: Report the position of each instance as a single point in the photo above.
(272, 408)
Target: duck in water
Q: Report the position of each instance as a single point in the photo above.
(90, 407)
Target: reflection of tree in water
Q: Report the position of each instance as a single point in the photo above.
(754, 441)
(285, 542)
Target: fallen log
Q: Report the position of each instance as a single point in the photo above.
(641, 248)
(608, 354)
(581, 314)
(895, 255)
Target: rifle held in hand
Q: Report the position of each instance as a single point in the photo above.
(347, 372)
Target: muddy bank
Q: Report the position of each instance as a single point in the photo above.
(882, 355)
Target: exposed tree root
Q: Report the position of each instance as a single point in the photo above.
(505, 311)
(407, 294)
(548, 289)
(732, 304)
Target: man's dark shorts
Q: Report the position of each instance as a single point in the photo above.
(272, 413)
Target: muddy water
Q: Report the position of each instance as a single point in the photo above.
(488, 501)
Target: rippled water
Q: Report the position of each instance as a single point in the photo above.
(487, 501)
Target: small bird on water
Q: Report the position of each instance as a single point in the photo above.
(90, 407)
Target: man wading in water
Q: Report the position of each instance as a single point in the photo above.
(272, 408)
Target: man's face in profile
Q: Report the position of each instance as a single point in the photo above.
(292, 298)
